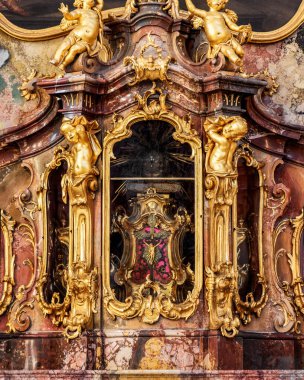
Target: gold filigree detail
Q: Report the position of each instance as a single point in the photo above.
(272, 84)
(220, 30)
(294, 290)
(86, 35)
(221, 286)
(139, 303)
(151, 67)
(7, 228)
(79, 185)
(83, 293)
(153, 298)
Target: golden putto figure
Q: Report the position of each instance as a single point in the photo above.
(85, 146)
(219, 28)
(223, 133)
(87, 34)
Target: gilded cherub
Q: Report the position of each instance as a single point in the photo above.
(87, 34)
(85, 146)
(219, 28)
(223, 133)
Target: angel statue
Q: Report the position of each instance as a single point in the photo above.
(220, 29)
(85, 146)
(223, 132)
(86, 35)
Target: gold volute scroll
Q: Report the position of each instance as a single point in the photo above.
(152, 299)
(220, 29)
(223, 134)
(78, 186)
(86, 35)
(151, 67)
(7, 229)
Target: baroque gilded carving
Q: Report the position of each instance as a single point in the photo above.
(18, 319)
(131, 7)
(152, 298)
(78, 186)
(293, 288)
(7, 228)
(225, 305)
(151, 67)
(250, 305)
(220, 28)
(86, 35)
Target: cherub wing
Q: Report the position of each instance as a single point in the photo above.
(232, 15)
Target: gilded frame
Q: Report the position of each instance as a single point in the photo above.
(7, 227)
(294, 288)
(246, 308)
(54, 32)
(134, 306)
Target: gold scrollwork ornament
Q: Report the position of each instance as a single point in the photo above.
(78, 184)
(221, 183)
(294, 289)
(138, 303)
(7, 228)
(151, 67)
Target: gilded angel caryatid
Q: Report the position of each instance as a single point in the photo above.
(87, 34)
(220, 29)
(223, 132)
(85, 146)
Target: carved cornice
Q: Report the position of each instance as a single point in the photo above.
(274, 134)
(34, 135)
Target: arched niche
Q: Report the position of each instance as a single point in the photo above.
(248, 240)
(152, 162)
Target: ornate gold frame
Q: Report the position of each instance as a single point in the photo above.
(155, 110)
(7, 228)
(75, 312)
(225, 306)
(246, 308)
(294, 289)
(54, 32)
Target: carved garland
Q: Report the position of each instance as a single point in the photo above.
(137, 304)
